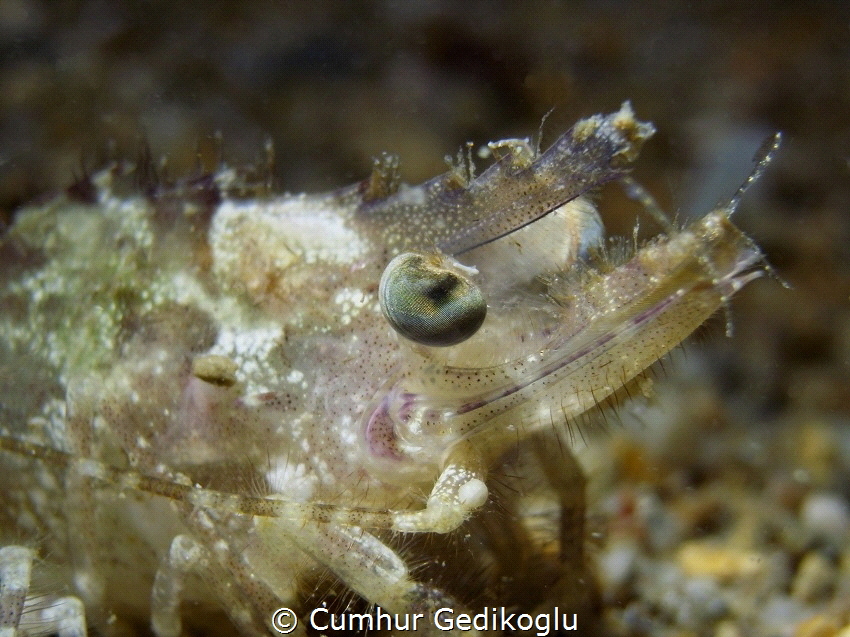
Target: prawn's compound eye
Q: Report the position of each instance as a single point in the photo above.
(431, 300)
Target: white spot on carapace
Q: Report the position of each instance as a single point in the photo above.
(292, 228)
(250, 349)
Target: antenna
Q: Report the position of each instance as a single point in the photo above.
(764, 156)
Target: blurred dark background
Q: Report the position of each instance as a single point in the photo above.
(334, 83)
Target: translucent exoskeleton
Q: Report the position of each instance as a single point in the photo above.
(213, 407)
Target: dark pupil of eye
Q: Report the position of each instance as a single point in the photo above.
(439, 291)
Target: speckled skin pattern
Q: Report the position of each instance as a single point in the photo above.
(203, 402)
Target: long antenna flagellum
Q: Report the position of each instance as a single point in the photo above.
(763, 157)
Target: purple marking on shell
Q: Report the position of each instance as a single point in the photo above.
(652, 311)
(406, 407)
(380, 433)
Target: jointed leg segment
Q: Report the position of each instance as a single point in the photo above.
(62, 616)
(459, 491)
(15, 569)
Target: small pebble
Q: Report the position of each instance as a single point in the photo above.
(727, 629)
(817, 626)
(663, 529)
(618, 564)
(700, 559)
(815, 578)
(701, 602)
(827, 516)
(779, 614)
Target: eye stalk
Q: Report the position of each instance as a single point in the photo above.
(431, 299)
